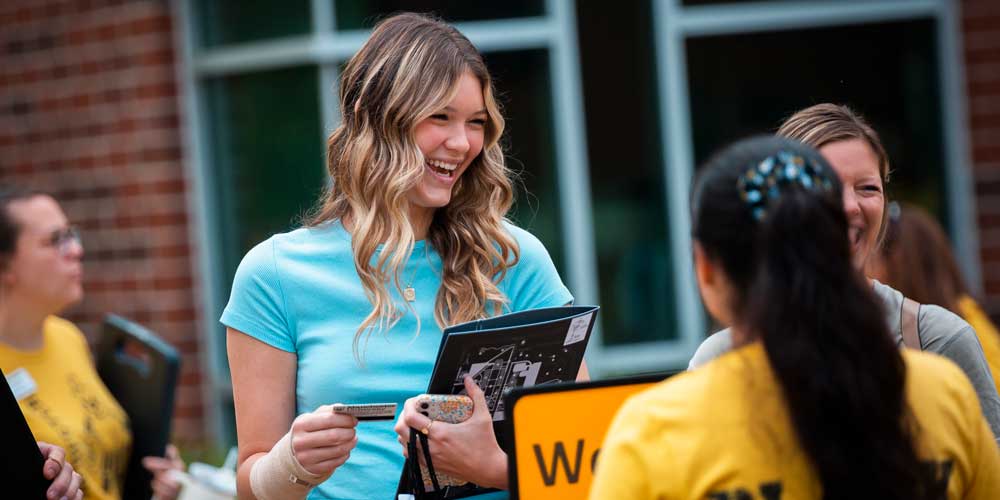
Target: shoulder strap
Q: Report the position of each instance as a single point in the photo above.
(909, 320)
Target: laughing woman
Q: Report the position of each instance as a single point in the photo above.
(814, 401)
(856, 155)
(410, 237)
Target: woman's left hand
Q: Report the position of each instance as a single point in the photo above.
(467, 450)
(66, 483)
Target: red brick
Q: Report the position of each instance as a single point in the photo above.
(982, 73)
(978, 8)
(192, 412)
(986, 22)
(188, 430)
(192, 377)
(986, 153)
(984, 88)
(981, 55)
(983, 120)
(989, 220)
(156, 24)
(991, 255)
(176, 283)
(173, 251)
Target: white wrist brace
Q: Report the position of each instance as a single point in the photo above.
(279, 476)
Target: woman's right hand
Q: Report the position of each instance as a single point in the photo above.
(66, 483)
(323, 440)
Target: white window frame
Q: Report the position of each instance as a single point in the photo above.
(555, 31)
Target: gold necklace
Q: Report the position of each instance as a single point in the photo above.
(409, 293)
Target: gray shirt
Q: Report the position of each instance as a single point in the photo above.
(941, 332)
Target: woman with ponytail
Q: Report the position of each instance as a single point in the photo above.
(855, 152)
(814, 400)
(410, 237)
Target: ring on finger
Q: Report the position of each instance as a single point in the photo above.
(427, 429)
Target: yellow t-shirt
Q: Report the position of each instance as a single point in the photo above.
(722, 431)
(72, 408)
(986, 332)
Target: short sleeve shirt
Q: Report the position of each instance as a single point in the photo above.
(300, 292)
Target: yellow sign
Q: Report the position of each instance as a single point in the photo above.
(558, 432)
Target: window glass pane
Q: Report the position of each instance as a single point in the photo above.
(266, 166)
(626, 173)
(233, 21)
(747, 84)
(359, 14)
(522, 82)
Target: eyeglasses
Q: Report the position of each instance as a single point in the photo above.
(63, 239)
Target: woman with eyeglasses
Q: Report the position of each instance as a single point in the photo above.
(814, 400)
(46, 358)
(855, 152)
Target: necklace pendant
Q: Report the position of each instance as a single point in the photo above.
(410, 294)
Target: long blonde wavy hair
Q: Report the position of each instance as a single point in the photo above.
(408, 70)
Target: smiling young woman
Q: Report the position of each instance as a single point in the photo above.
(410, 237)
(854, 150)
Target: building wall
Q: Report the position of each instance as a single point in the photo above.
(89, 112)
(981, 26)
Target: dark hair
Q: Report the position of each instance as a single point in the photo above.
(9, 229)
(821, 324)
(918, 260)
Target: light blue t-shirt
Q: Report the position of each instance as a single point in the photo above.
(300, 292)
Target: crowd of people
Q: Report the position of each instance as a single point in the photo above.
(854, 362)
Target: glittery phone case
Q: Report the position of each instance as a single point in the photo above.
(452, 409)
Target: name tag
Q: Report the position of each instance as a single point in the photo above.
(21, 383)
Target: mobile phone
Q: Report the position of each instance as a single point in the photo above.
(367, 411)
(451, 408)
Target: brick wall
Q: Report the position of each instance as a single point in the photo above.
(89, 112)
(981, 28)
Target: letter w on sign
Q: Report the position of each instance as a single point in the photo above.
(549, 474)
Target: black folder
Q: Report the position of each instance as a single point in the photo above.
(20, 460)
(141, 371)
(536, 347)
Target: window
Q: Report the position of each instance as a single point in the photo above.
(268, 155)
(663, 83)
(626, 173)
(523, 85)
(746, 84)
